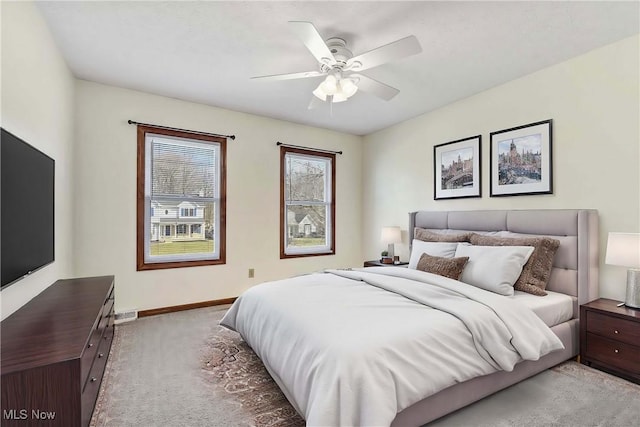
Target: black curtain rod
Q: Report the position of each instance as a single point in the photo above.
(131, 122)
(308, 148)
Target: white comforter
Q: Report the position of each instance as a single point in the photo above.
(357, 347)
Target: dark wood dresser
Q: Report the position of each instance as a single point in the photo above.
(610, 338)
(54, 351)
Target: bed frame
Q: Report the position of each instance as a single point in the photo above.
(575, 273)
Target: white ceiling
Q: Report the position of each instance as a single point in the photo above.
(206, 51)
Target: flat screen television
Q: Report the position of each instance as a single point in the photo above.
(26, 209)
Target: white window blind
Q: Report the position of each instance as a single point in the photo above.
(308, 204)
(182, 187)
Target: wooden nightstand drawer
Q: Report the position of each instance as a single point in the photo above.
(614, 328)
(613, 353)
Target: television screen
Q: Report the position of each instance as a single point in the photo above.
(27, 207)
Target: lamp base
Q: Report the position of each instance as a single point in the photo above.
(633, 289)
(390, 250)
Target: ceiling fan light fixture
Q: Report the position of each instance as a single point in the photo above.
(348, 87)
(339, 97)
(339, 89)
(330, 85)
(319, 93)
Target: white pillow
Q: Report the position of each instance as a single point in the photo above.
(494, 268)
(442, 249)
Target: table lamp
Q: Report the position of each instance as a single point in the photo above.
(624, 249)
(390, 236)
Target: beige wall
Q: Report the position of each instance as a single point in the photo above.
(37, 105)
(105, 156)
(594, 102)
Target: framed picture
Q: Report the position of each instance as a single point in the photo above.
(456, 169)
(520, 160)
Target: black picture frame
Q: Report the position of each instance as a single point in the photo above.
(457, 169)
(521, 160)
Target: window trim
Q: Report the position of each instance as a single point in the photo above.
(283, 208)
(141, 264)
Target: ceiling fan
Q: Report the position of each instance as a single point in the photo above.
(341, 69)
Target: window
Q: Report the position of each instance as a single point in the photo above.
(307, 200)
(185, 174)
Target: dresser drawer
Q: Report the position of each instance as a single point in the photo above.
(613, 353)
(94, 379)
(108, 306)
(614, 328)
(99, 362)
(94, 341)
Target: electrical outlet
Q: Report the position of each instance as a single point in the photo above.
(251, 273)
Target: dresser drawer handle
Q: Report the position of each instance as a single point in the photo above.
(616, 351)
(94, 379)
(90, 344)
(616, 331)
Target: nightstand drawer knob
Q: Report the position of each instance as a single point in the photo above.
(616, 332)
(616, 351)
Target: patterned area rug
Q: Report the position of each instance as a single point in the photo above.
(183, 369)
(232, 366)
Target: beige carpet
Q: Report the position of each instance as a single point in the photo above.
(182, 369)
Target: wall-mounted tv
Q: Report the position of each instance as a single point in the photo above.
(26, 209)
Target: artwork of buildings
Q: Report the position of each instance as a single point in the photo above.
(459, 173)
(519, 167)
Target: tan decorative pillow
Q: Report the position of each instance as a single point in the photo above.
(430, 236)
(447, 267)
(536, 272)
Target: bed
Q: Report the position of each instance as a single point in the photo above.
(350, 347)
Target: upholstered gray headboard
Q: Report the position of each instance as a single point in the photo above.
(575, 266)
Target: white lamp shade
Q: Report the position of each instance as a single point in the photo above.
(391, 235)
(320, 94)
(329, 85)
(339, 97)
(337, 88)
(348, 87)
(623, 249)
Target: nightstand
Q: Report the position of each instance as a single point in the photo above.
(377, 263)
(610, 338)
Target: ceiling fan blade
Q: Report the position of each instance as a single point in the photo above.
(290, 76)
(307, 32)
(374, 87)
(399, 49)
